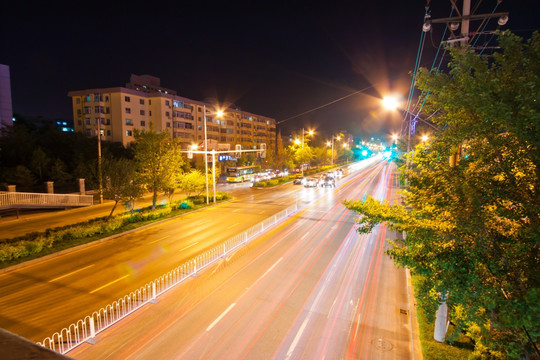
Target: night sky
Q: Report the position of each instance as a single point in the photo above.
(278, 59)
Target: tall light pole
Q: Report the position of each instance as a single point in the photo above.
(206, 155)
(219, 113)
(100, 172)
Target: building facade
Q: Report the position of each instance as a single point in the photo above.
(117, 112)
(6, 110)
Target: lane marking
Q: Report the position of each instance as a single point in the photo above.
(71, 273)
(112, 282)
(155, 241)
(187, 247)
(236, 210)
(220, 317)
(233, 225)
(296, 339)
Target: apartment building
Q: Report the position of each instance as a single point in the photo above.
(116, 112)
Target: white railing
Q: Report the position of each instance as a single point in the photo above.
(86, 329)
(12, 199)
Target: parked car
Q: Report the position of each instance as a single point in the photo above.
(310, 182)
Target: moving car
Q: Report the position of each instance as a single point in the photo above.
(300, 180)
(327, 181)
(310, 182)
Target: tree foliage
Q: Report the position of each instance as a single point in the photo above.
(121, 182)
(472, 225)
(159, 161)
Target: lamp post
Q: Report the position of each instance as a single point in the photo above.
(337, 138)
(206, 155)
(100, 171)
(219, 113)
(391, 103)
(310, 132)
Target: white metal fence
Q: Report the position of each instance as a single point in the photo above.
(86, 329)
(20, 199)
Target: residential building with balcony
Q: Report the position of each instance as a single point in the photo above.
(116, 112)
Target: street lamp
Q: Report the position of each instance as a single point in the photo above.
(337, 138)
(392, 103)
(219, 113)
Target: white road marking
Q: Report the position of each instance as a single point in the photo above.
(112, 282)
(187, 247)
(155, 241)
(220, 317)
(71, 273)
(296, 339)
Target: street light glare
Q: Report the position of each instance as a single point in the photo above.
(425, 138)
(390, 103)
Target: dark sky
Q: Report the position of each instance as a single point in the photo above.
(278, 59)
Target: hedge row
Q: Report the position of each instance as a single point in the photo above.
(32, 245)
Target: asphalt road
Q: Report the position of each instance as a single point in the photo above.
(310, 288)
(50, 294)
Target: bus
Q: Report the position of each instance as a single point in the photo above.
(241, 173)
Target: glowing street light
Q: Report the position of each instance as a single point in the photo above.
(425, 138)
(390, 102)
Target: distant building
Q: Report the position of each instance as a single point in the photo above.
(6, 109)
(121, 110)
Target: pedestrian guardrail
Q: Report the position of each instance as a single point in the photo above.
(85, 330)
(21, 199)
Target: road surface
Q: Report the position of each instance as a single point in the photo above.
(312, 288)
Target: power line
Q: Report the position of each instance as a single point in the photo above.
(327, 104)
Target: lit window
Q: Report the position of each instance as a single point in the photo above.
(129, 122)
(199, 127)
(129, 133)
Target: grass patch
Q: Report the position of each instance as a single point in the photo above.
(461, 348)
(37, 244)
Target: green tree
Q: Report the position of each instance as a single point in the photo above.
(121, 182)
(19, 175)
(471, 201)
(39, 163)
(58, 172)
(193, 182)
(159, 161)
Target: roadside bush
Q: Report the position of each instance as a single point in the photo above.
(34, 243)
(186, 204)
